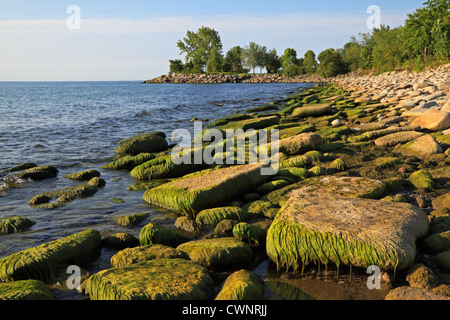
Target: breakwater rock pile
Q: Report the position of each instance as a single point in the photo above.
(226, 78)
(363, 181)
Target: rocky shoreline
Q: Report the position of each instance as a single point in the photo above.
(226, 78)
(363, 181)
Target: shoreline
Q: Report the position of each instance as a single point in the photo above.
(354, 129)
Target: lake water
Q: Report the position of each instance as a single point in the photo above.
(75, 126)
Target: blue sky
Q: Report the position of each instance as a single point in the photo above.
(134, 39)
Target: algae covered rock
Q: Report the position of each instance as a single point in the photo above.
(145, 253)
(242, 285)
(44, 261)
(14, 225)
(438, 242)
(39, 173)
(120, 240)
(25, 290)
(422, 179)
(312, 110)
(421, 147)
(83, 175)
(443, 261)
(211, 217)
(391, 140)
(324, 228)
(96, 182)
(207, 189)
(129, 162)
(219, 253)
(146, 143)
(64, 195)
(250, 233)
(301, 143)
(154, 233)
(158, 279)
(130, 220)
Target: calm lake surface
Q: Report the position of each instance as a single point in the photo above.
(75, 126)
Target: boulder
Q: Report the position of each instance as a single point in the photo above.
(211, 217)
(158, 279)
(434, 120)
(25, 290)
(421, 276)
(120, 241)
(393, 139)
(218, 253)
(323, 228)
(146, 143)
(242, 285)
(420, 147)
(44, 262)
(154, 233)
(412, 293)
(443, 261)
(207, 189)
(312, 111)
(83, 175)
(301, 143)
(15, 225)
(145, 253)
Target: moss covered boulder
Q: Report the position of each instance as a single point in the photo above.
(443, 261)
(253, 123)
(25, 290)
(357, 187)
(211, 217)
(300, 143)
(120, 241)
(64, 195)
(158, 279)
(129, 162)
(39, 173)
(145, 253)
(145, 143)
(15, 225)
(154, 233)
(438, 242)
(219, 253)
(250, 233)
(130, 220)
(324, 228)
(391, 140)
(43, 262)
(420, 147)
(422, 179)
(242, 285)
(312, 110)
(83, 175)
(207, 189)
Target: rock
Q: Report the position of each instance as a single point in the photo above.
(421, 276)
(422, 179)
(39, 173)
(412, 293)
(242, 285)
(64, 195)
(211, 217)
(145, 253)
(25, 290)
(442, 201)
(83, 175)
(154, 233)
(120, 241)
(253, 123)
(437, 242)
(207, 189)
(421, 85)
(312, 111)
(43, 262)
(393, 139)
(146, 143)
(336, 122)
(22, 166)
(443, 261)
(158, 279)
(433, 120)
(219, 253)
(14, 225)
(131, 220)
(96, 182)
(350, 231)
(420, 147)
(250, 233)
(187, 224)
(300, 143)
(129, 162)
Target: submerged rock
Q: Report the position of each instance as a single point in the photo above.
(39, 173)
(83, 175)
(15, 225)
(146, 143)
(324, 228)
(158, 279)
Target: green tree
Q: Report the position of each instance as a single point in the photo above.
(233, 60)
(351, 54)
(176, 66)
(273, 62)
(310, 62)
(387, 50)
(289, 57)
(215, 61)
(254, 55)
(198, 47)
(330, 63)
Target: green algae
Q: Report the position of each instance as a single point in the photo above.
(250, 233)
(43, 262)
(242, 285)
(146, 143)
(129, 162)
(422, 179)
(15, 225)
(158, 279)
(83, 175)
(211, 217)
(25, 290)
(154, 233)
(130, 220)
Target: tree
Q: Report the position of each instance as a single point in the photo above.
(215, 61)
(273, 62)
(309, 62)
(331, 63)
(351, 54)
(233, 60)
(198, 47)
(387, 48)
(289, 57)
(254, 55)
(176, 66)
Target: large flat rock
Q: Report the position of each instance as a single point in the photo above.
(325, 228)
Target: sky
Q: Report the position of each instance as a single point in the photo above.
(81, 40)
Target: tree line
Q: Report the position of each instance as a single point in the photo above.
(423, 40)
